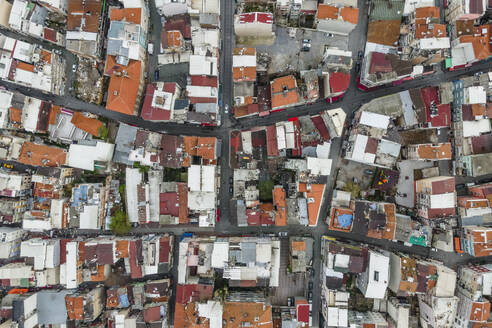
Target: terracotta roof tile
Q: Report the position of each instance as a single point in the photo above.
(280, 206)
(132, 15)
(88, 11)
(439, 151)
(123, 86)
(284, 91)
(42, 155)
(385, 32)
(424, 31)
(350, 14)
(299, 245)
(87, 124)
(427, 12)
(248, 312)
(327, 12)
(15, 115)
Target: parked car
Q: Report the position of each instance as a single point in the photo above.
(360, 55)
(290, 301)
(283, 234)
(310, 297)
(487, 180)
(231, 180)
(231, 190)
(460, 186)
(310, 285)
(357, 67)
(156, 74)
(306, 45)
(74, 68)
(368, 172)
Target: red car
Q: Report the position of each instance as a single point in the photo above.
(218, 214)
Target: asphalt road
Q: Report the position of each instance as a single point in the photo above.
(350, 102)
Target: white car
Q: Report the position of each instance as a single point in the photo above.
(226, 109)
(74, 68)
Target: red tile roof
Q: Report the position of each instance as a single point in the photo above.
(132, 15)
(258, 17)
(169, 203)
(272, 147)
(204, 81)
(339, 81)
(123, 86)
(151, 113)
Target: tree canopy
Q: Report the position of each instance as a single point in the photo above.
(119, 223)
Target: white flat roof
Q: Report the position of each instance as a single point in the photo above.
(244, 61)
(194, 177)
(319, 166)
(84, 156)
(375, 120)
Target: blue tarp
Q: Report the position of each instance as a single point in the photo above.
(345, 220)
(124, 301)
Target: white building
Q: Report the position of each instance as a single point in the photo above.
(374, 281)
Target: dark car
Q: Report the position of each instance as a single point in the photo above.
(487, 180)
(357, 67)
(231, 190)
(310, 286)
(360, 55)
(231, 180)
(290, 301)
(310, 296)
(460, 186)
(156, 74)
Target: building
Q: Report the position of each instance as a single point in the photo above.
(125, 62)
(471, 312)
(437, 311)
(409, 276)
(42, 155)
(475, 281)
(87, 206)
(284, 92)
(92, 155)
(85, 306)
(14, 184)
(249, 309)
(374, 280)
(435, 197)
(31, 65)
(336, 20)
(12, 210)
(10, 242)
(33, 19)
(301, 253)
(159, 101)
(83, 28)
(465, 10)
(366, 142)
(477, 164)
(430, 152)
(475, 240)
(257, 25)
(257, 260)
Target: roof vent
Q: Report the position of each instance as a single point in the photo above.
(115, 93)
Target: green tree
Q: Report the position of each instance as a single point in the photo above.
(353, 188)
(103, 132)
(266, 190)
(119, 223)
